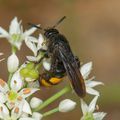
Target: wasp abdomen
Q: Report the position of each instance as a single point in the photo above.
(47, 80)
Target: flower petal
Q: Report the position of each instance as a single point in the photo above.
(2, 98)
(17, 111)
(86, 69)
(10, 105)
(26, 92)
(3, 33)
(93, 83)
(30, 31)
(99, 115)
(26, 108)
(32, 58)
(84, 107)
(16, 81)
(93, 104)
(27, 118)
(31, 45)
(41, 44)
(14, 27)
(17, 44)
(34, 84)
(92, 91)
(47, 64)
(4, 112)
(24, 115)
(3, 86)
(37, 116)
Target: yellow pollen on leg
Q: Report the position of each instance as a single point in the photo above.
(45, 83)
(55, 80)
(26, 91)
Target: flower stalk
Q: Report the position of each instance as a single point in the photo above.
(51, 112)
(9, 78)
(53, 98)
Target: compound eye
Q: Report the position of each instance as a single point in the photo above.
(50, 33)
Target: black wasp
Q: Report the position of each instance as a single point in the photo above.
(63, 62)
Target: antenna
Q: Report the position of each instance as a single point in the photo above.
(33, 25)
(59, 22)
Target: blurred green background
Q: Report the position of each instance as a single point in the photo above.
(93, 30)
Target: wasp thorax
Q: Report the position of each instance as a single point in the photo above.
(50, 32)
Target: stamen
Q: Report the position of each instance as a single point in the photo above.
(19, 98)
(1, 109)
(2, 82)
(15, 81)
(16, 110)
(26, 91)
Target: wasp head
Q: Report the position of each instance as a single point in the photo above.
(50, 32)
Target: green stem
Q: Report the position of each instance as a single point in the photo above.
(9, 79)
(53, 98)
(13, 49)
(51, 112)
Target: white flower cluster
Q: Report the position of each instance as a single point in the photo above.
(90, 84)
(21, 84)
(14, 99)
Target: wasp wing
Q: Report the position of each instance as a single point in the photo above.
(73, 73)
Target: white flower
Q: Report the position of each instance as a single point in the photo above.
(35, 102)
(17, 113)
(15, 36)
(89, 83)
(35, 46)
(13, 96)
(12, 63)
(88, 111)
(67, 105)
(1, 55)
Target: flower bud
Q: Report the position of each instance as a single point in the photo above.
(12, 63)
(35, 102)
(66, 105)
(37, 116)
(47, 64)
